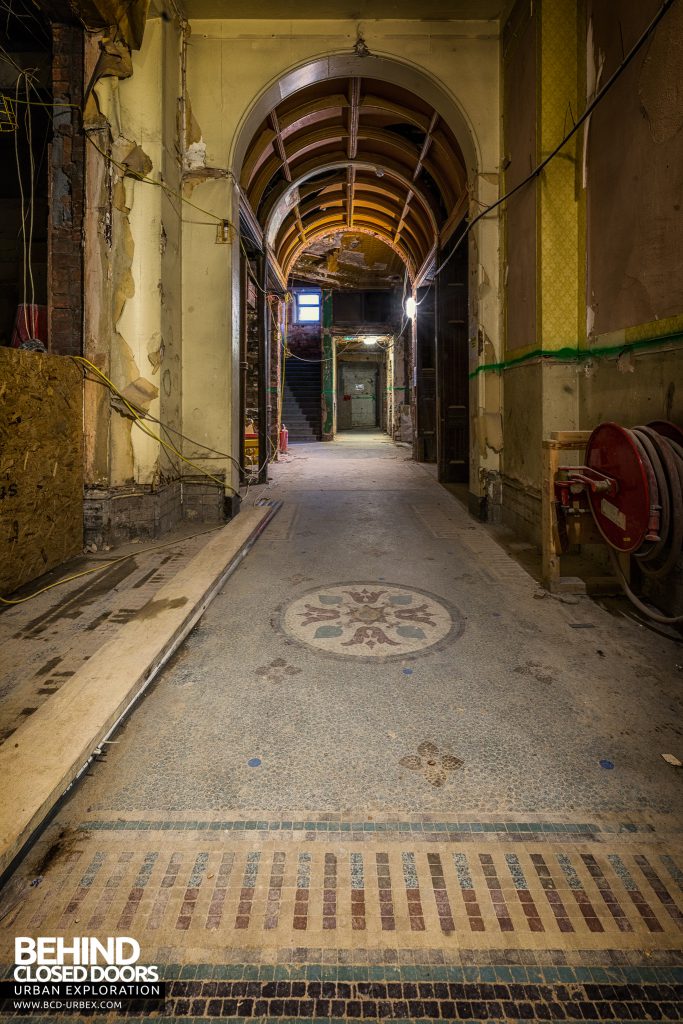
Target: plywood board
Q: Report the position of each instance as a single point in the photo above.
(41, 464)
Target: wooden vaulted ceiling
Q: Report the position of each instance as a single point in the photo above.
(359, 154)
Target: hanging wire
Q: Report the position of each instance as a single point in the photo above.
(590, 107)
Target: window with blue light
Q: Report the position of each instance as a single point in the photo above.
(308, 307)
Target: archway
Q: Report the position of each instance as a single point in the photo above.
(368, 146)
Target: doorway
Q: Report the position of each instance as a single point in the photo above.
(358, 406)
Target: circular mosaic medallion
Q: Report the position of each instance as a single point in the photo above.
(370, 620)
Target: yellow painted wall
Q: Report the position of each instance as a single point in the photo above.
(133, 259)
(163, 294)
(230, 63)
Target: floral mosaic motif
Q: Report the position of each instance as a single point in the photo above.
(365, 596)
(277, 671)
(434, 765)
(368, 620)
(371, 636)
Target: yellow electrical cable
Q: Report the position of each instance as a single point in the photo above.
(67, 579)
(126, 171)
(104, 565)
(143, 426)
(122, 167)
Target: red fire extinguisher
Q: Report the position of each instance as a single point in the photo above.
(284, 437)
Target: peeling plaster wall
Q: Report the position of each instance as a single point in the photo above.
(619, 281)
(133, 274)
(139, 110)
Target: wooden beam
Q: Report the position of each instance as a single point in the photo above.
(350, 188)
(354, 117)
(425, 145)
(280, 145)
(404, 214)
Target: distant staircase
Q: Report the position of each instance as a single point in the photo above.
(301, 411)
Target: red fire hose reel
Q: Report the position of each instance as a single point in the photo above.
(632, 483)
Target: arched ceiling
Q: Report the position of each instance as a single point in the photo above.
(350, 259)
(357, 154)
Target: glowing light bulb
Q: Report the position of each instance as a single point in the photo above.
(370, 339)
(411, 307)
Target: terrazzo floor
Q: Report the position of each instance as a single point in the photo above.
(385, 778)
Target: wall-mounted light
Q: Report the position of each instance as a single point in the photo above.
(223, 232)
(370, 339)
(411, 307)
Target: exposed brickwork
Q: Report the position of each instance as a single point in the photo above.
(120, 514)
(66, 194)
(521, 510)
(111, 517)
(202, 501)
(275, 382)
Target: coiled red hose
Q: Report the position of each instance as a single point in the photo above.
(663, 461)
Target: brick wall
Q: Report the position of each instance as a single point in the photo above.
(66, 194)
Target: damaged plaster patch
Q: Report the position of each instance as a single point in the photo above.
(137, 163)
(625, 363)
(493, 431)
(114, 61)
(155, 351)
(140, 393)
(193, 132)
(195, 156)
(661, 79)
(122, 275)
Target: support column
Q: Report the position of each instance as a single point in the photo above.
(244, 365)
(561, 321)
(329, 388)
(66, 194)
(263, 369)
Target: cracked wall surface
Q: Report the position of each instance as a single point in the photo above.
(133, 259)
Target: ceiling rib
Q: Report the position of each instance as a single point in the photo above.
(280, 145)
(350, 189)
(391, 168)
(425, 146)
(354, 117)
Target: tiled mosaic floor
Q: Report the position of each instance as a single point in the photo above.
(326, 883)
(413, 918)
(369, 620)
(480, 829)
(45, 641)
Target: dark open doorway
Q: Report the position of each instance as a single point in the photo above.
(452, 363)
